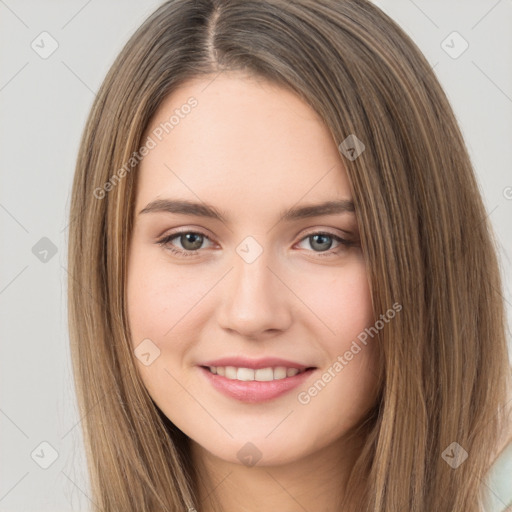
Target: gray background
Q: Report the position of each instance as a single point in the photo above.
(44, 103)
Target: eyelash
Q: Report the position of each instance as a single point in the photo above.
(164, 242)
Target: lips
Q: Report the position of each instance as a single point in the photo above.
(251, 380)
(244, 362)
(248, 374)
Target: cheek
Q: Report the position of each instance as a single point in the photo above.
(164, 304)
(342, 304)
(161, 297)
(348, 375)
(160, 304)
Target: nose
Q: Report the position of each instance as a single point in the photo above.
(256, 300)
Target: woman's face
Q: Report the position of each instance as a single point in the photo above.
(271, 285)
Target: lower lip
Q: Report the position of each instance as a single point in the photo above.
(255, 391)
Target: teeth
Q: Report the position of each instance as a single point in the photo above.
(248, 374)
(230, 372)
(244, 374)
(265, 374)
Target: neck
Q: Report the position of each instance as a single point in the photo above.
(314, 482)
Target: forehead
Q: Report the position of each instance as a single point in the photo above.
(239, 141)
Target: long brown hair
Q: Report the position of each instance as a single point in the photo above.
(444, 368)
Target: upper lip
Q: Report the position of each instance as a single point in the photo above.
(265, 362)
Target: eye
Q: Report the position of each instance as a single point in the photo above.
(191, 242)
(323, 242)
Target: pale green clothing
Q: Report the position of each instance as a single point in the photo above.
(499, 483)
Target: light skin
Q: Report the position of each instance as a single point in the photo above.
(252, 150)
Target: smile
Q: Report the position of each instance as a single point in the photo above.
(249, 374)
(254, 385)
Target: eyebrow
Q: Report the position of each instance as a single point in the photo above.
(206, 210)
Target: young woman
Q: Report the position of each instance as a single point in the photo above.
(284, 291)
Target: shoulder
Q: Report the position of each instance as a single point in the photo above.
(506, 436)
(499, 480)
(505, 440)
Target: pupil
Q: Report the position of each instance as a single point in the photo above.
(315, 237)
(194, 238)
